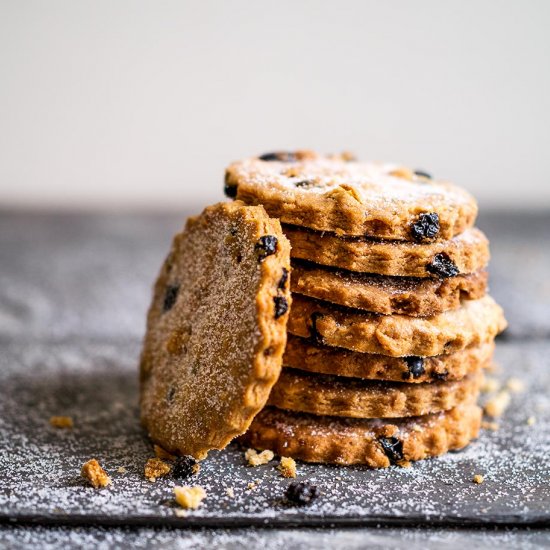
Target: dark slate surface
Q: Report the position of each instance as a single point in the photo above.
(73, 295)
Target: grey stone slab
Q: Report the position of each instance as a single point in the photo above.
(146, 538)
(95, 382)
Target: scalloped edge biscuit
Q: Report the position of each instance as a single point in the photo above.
(348, 197)
(216, 329)
(474, 323)
(324, 394)
(468, 251)
(303, 354)
(376, 443)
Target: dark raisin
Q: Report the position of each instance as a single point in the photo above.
(301, 492)
(425, 227)
(281, 306)
(170, 297)
(393, 448)
(415, 365)
(305, 183)
(283, 280)
(442, 266)
(440, 375)
(313, 331)
(282, 156)
(423, 174)
(183, 467)
(170, 394)
(230, 191)
(266, 246)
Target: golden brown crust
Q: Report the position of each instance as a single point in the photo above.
(354, 398)
(333, 194)
(469, 251)
(475, 323)
(303, 354)
(387, 295)
(337, 440)
(217, 314)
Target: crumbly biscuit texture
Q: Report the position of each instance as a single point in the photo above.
(94, 474)
(304, 354)
(353, 198)
(334, 396)
(476, 322)
(376, 443)
(387, 295)
(216, 329)
(469, 253)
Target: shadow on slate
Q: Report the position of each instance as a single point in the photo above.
(73, 296)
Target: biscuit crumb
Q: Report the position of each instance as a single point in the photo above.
(404, 173)
(497, 404)
(252, 485)
(492, 426)
(257, 459)
(154, 468)
(478, 478)
(404, 464)
(180, 513)
(287, 467)
(121, 470)
(196, 468)
(531, 421)
(162, 454)
(515, 385)
(189, 498)
(95, 475)
(490, 385)
(61, 422)
(230, 492)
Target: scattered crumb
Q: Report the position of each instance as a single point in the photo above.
(121, 470)
(257, 459)
(497, 404)
(189, 498)
(405, 464)
(531, 421)
(515, 385)
(95, 474)
(405, 173)
(492, 426)
(155, 467)
(287, 467)
(196, 468)
(230, 492)
(181, 513)
(61, 422)
(478, 478)
(162, 454)
(490, 385)
(253, 485)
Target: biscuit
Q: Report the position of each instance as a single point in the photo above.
(303, 354)
(387, 295)
(468, 252)
(216, 329)
(352, 198)
(476, 322)
(376, 443)
(323, 394)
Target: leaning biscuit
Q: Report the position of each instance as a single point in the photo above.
(216, 329)
(376, 443)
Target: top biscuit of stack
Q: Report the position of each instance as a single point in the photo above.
(337, 194)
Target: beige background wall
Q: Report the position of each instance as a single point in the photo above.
(141, 104)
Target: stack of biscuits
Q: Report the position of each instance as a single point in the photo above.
(390, 326)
